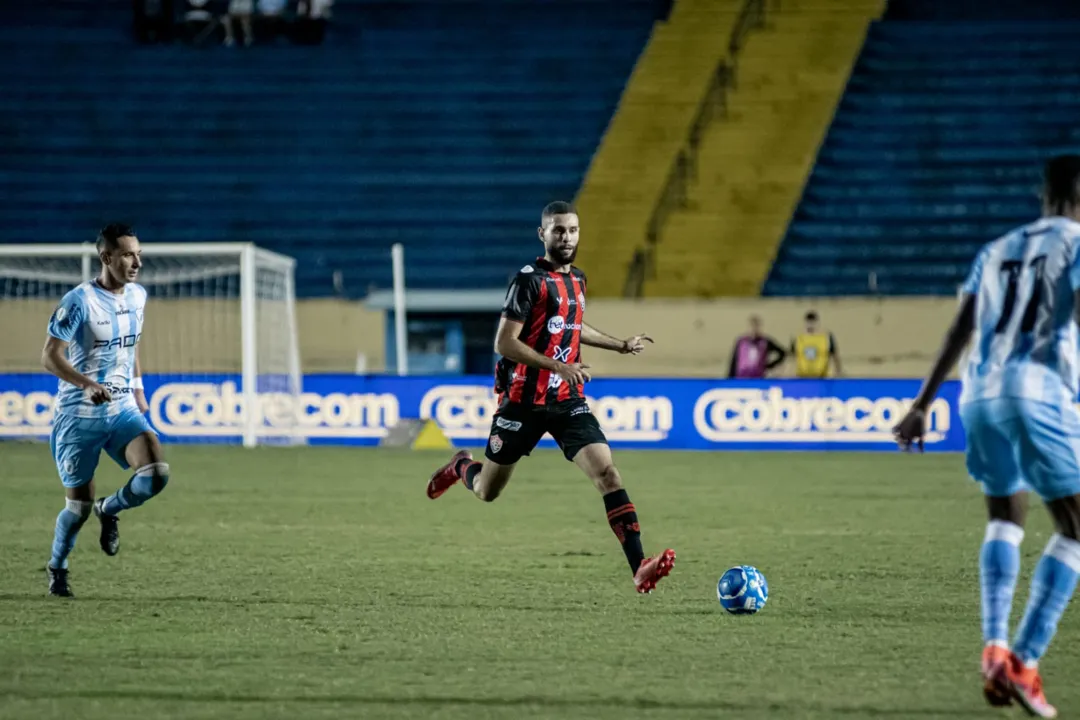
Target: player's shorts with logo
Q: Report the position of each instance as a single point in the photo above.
(77, 442)
(1017, 444)
(516, 429)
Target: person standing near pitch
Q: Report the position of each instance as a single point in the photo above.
(92, 346)
(540, 383)
(1021, 308)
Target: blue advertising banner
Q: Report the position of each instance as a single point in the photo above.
(675, 414)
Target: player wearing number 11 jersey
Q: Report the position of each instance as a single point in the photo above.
(540, 383)
(1020, 309)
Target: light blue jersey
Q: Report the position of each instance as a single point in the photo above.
(102, 330)
(1026, 341)
(1020, 381)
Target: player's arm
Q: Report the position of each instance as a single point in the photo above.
(54, 359)
(912, 427)
(137, 383)
(595, 338)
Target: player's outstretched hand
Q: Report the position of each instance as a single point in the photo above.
(574, 373)
(140, 400)
(910, 430)
(634, 345)
(98, 394)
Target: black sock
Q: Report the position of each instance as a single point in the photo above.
(624, 523)
(467, 470)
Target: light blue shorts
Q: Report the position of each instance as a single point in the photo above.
(1015, 444)
(77, 442)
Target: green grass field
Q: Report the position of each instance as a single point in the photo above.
(317, 583)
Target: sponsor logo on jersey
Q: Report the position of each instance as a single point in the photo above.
(557, 323)
(765, 415)
(124, 341)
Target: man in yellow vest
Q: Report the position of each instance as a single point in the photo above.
(813, 350)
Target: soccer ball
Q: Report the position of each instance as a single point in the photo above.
(742, 590)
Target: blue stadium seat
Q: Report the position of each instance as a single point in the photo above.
(935, 149)
(442, 125)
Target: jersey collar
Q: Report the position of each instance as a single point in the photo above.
(543, 264)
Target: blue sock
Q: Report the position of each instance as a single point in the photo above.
(1051, 587)
(68, 522)
(999, 566)
(147, 482)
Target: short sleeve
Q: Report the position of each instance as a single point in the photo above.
(974, 278)
(68, 316)
(520, 297)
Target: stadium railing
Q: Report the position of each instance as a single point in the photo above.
(675, 194)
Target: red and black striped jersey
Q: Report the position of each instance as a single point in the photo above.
(550, 306)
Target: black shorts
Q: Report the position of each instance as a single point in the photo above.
(515, 430)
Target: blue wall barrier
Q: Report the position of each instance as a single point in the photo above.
(675, 414)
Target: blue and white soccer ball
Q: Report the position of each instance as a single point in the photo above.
(742, 590)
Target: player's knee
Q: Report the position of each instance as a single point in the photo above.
(1067, 519)
(608, 480)
(82, 508)
(486, 492)
(158, 473)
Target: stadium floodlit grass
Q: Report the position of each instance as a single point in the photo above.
(321, 582)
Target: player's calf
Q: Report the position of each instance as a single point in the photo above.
(148, 481)
(68, 523)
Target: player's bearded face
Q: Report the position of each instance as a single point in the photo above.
(561, 239)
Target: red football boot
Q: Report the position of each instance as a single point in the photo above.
(652, 570)
(445, 477)
(995, 672)
(1027, 689)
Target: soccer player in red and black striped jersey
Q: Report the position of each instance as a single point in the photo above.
(540, 383)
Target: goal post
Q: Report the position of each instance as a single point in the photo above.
(220, 335)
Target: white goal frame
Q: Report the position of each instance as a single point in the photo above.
(251, 257)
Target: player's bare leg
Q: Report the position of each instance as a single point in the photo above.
(79, 500)
(151, 475)
(999, 567)
(596, 462)
(485, 480)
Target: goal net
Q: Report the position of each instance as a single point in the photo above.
(219, 337)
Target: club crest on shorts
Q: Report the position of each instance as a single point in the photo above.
(496, 443)
(70, 466)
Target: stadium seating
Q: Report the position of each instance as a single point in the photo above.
(935, 149)
(752, 165)
(445, 126)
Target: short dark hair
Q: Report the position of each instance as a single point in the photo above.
(109, 237)
(556, 208)
(1061, 181)
(811, 316)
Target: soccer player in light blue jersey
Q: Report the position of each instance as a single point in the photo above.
(92, 346)
(1020, 309)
